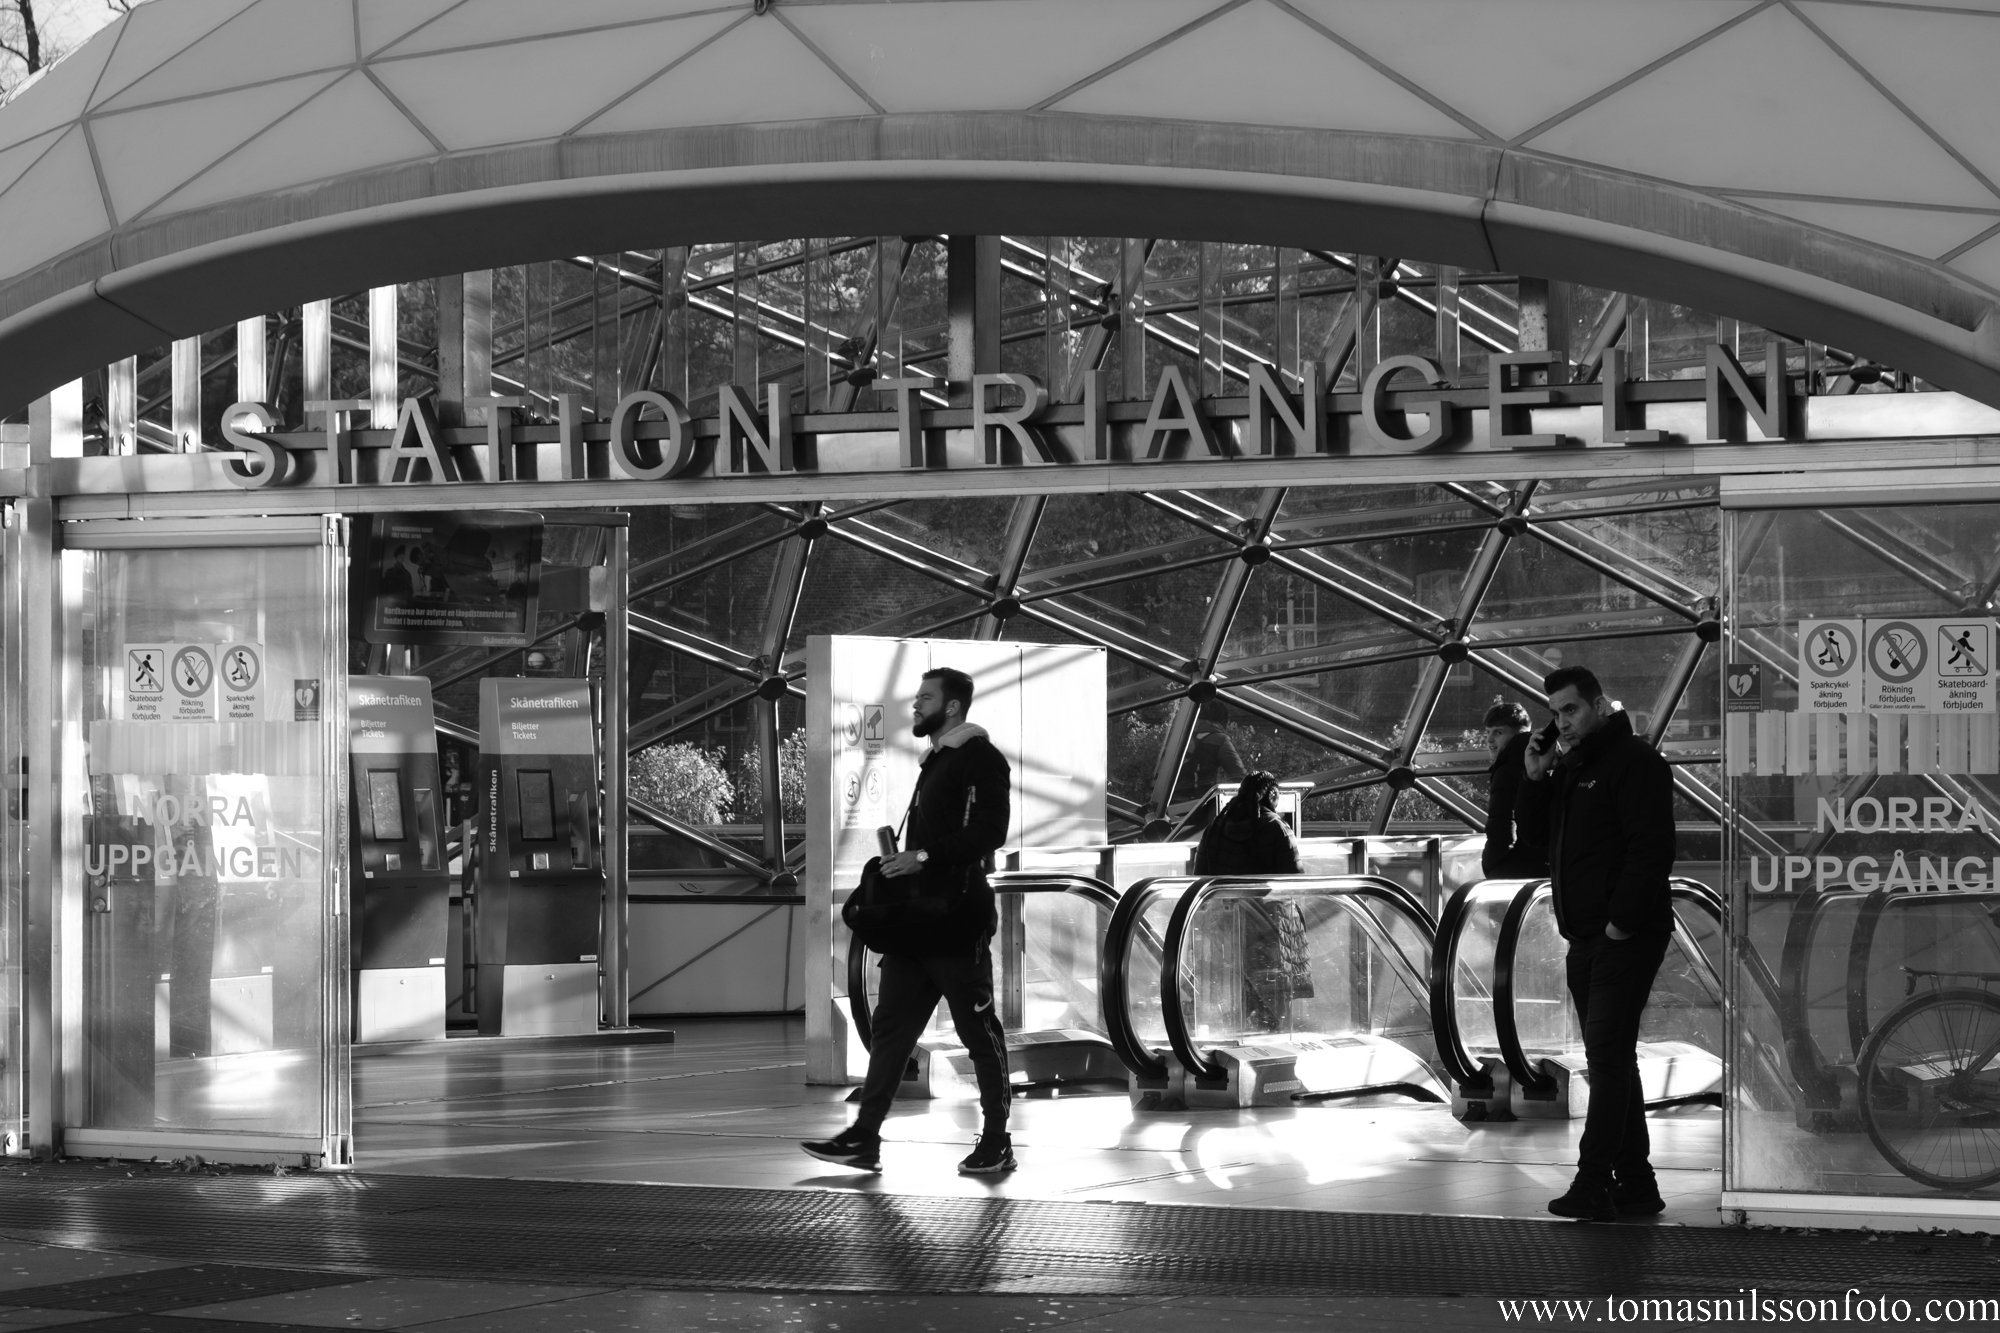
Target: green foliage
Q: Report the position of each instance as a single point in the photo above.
(684, 780)
(749, 771)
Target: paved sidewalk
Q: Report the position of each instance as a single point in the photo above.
(123, 1247)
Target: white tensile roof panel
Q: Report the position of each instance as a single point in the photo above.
(1770, 108)
(484, 22)
(386, 21)
(1302, 78)
(52, 203)
(1931, 233)
(754, 72)
(1940, 66)
(347, 127)
(155, 33)
(149, 153)
(1476, 54)
(273, 39)
(1813, 133)
(470, 99)
(947, 55)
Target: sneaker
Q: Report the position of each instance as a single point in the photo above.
(1638, 1198)
(1587, 1201)
(850, 1147)
(992, 1156)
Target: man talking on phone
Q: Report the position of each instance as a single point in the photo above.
(959, 816)
(1611, 849)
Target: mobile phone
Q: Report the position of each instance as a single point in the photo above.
(885, 840)
(1543, 739)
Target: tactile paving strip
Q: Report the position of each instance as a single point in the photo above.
(676, 1236)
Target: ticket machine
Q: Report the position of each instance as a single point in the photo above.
(401, 882)
(541, 872)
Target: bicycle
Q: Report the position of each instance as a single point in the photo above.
(1929, 1082)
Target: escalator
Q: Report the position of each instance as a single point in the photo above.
(1461, 994)
(1506, 1026)
(1047, 961)
(1271, 991)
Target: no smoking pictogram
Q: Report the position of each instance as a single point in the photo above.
(1897, 652)
(192, 671)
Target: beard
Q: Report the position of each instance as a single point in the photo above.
(928, 723)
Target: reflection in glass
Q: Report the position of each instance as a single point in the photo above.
(1865, 921)
(203, 946)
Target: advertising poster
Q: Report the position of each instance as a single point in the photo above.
(453, 579)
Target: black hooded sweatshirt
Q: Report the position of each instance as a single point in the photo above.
(1257, 843)
(959, 816)
(1611, 834)
(1517, 817)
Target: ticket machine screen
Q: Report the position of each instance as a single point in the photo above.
(385, 804)
(538, 806)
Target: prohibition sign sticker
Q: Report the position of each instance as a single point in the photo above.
(191, 672)
(1896, 658)
(239, 672)
(240, 668)
(1897, 652)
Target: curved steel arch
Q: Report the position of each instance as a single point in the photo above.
(119, 232)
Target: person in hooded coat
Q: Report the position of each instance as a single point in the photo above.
(1248, 838)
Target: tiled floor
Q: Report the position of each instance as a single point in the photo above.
(726, 1104)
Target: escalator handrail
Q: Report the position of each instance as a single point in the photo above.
(1375, 887)
(1093, 891)
(1113, 992)
(1505, 1030)
(1452, 1051)
(1512, 1052)
(1709, 903)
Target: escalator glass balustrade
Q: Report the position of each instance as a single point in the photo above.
(1046, 967)
(1291, 989)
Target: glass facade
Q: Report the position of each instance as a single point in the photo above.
(13, 842)
(1862, 755)
(204, 942)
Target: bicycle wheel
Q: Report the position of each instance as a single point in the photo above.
(1930, 1088)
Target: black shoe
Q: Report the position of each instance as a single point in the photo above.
(1586, 1201)
(1638, 1198)
(850, 1147)
(992, 1156)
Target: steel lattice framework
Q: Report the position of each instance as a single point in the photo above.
(1349, 635)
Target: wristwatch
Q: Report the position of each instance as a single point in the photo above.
(923, 857)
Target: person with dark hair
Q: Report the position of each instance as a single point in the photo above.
(958, 818)
(1611, 850)
(1516, 811)
(1248, 838)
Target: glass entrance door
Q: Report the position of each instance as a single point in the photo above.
(203, 944)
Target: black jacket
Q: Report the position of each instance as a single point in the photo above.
(960, 817)
(1611, 834)
(1259, 845)
(1517, 817)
